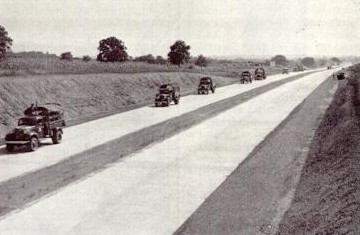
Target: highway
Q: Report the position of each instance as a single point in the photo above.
(155, 190)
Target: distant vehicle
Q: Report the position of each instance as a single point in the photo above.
(245, 77)
(299, 68)
(39, 122)
(167, 93)
(329, 67)
(341, 76)
(285, 71)
(260, 74)
(206, 85)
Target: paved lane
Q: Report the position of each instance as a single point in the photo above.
(156, 190)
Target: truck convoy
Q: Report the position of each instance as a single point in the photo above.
(39, 122)
(167, 93)
(47, 120)
(206, 85)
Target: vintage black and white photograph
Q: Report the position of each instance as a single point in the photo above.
(179, 117)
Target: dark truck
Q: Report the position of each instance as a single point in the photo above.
(39, 122)
(167, 94)
(260, 74)
(298, 68)
(206, 84)
(340, 75)
(245, 77)
(285, 71)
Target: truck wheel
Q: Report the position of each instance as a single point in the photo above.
(10, 147)
(177, 101)
(34, 143)
(56, 138)
(213, 91)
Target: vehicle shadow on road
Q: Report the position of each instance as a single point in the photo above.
(21, 150)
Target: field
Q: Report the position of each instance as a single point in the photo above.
(20, 66)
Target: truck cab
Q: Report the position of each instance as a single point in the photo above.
(206, 85)
(246, 77)
(167, 93)
(260, 74)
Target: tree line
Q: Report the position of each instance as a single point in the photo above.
(112, 49)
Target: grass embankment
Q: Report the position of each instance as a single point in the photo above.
(327, 199)
(86, 95)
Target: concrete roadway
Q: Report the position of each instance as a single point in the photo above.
(156, 190)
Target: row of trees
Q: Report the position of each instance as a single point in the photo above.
(306, 61)
(112, 49)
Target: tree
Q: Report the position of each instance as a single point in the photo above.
(336, 60)
(86, 58)
(201, 61)
(146, 58)
(66, 56)
(160, 60)
(308, 62)
(111, 50)
(279, 60)
(5, 42)
(179, 53)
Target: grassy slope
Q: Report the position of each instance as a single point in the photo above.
(327, 200)
(85, 95)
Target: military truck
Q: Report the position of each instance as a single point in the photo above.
(167, 93)
(285, 71)
(206, 84)
(298, 68)
(245, 77)
(39, 122)
(260, 74)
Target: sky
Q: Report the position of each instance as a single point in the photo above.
(210, 27)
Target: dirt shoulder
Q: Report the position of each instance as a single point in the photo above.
(253, 199)
(327, 199)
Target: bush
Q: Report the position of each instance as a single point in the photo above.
(86, 58)
(66, 56)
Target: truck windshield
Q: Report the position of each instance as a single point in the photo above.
(164, 91)
(205, 81)
(27, 122)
